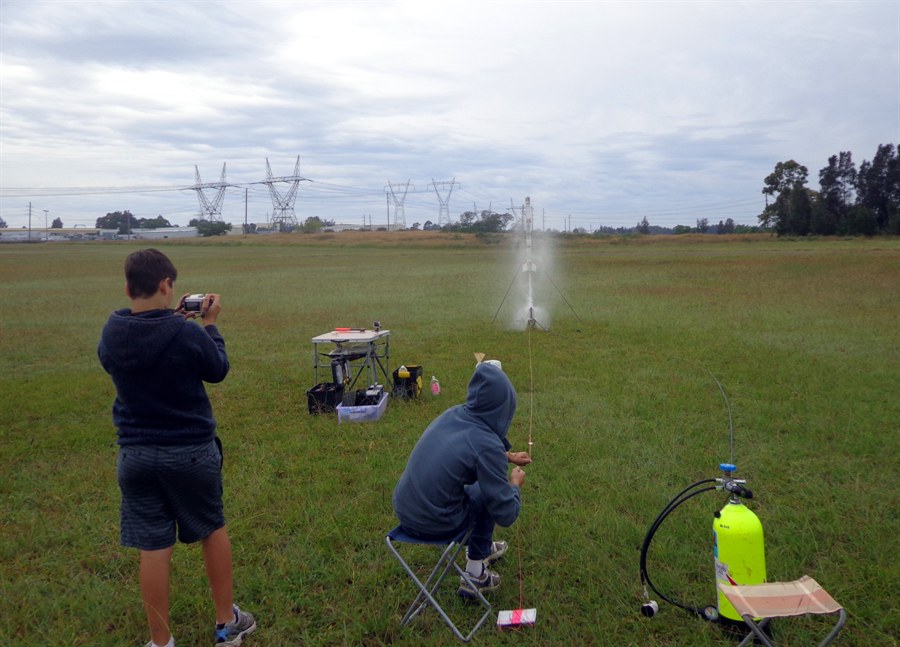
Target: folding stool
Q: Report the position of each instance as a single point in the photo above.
(780, 600)
(428, 589)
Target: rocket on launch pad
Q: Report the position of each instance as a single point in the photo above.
(529, 267)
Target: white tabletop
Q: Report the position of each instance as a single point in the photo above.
(353, 335)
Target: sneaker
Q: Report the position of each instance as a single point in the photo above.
(233, 633)
(498, 550)
(488, 581)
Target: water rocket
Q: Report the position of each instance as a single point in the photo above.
(529, 267)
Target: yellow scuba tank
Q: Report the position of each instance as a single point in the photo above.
(739, 548)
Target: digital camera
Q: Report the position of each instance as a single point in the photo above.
(193, 303)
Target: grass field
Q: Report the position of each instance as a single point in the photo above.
(803, 335)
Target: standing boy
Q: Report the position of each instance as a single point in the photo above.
(170, 459)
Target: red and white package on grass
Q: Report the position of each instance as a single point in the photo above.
(516, 618)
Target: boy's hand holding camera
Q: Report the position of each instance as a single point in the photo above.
(207, 306)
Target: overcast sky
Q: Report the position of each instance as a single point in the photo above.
(602, 112)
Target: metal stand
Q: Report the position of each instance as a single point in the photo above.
(353, 352)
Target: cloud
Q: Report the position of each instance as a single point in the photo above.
(606, 111)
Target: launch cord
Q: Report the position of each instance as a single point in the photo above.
(686, 494)
(530, 443)
(531, 388)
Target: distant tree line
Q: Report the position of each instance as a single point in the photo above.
(644, 228)
(484, 222)
(314, 225)
(210, 227)
(56, 224)
(849, 201)
(125, 222)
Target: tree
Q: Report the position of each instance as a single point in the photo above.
(786, 176)
(878, 188)
(57, 224)
(836, 183)
(210, 227)
(312, 225)
(493, 222)
(2, 223)
(702, 225)
(798, 217)
(643, 227)
(865, 202)
(123, 221)
(790, 213)
(726, 227)
(862, 221)
(154, 223)
(486, 222)
(467, 219)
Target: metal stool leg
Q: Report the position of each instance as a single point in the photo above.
(842, 618)
(437, 575)
(756, 631)
(428, 588)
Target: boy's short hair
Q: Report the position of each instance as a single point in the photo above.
(144, 269)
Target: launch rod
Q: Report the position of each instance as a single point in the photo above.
(531, 400)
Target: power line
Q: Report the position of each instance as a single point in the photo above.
(49, 192)
(323, 193)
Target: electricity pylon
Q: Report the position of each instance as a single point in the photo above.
(283, 205)
(444, 211)
(210, 209)
(399, 212)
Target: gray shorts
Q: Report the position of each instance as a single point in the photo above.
(165, 487)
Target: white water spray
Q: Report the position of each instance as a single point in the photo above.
(533, 262)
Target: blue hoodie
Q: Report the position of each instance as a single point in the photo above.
(158, 362)
(465, 444)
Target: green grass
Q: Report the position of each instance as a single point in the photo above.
(802, 334)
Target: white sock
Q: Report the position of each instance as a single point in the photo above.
(171, 643)
(475, 567)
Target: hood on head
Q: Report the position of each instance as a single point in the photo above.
(492, 399)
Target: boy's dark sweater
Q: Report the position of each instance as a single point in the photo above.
(158, 362)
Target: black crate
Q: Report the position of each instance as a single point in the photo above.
(324, 397)
(363, 399)
(360, 399)
(410, 386)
